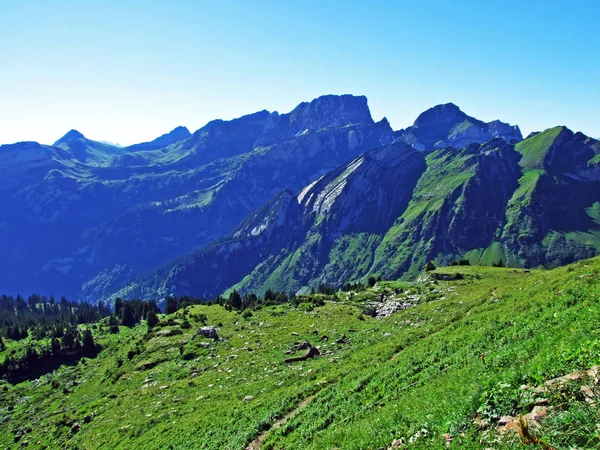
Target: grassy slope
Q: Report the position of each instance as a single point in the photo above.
(520, 218)
(418, 369)
(402, 245)
(533, 151)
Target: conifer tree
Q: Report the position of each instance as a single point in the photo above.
(152, 319)
(89, 346)
(235, 299)
(128, 319)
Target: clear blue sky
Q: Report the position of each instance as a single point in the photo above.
(128, 71)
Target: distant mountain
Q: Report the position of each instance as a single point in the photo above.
(447, 126)
(389, 211)
(322, 194)
(94, 215)
(92, 153)
(323, 112)
(176, 135)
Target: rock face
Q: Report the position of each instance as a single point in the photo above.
(323, 112)
(329, 216)
(447, 126)
(289, 201)
(84, 216)
(389, 211)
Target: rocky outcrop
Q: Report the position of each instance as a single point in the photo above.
(208, 332)
(323, 112)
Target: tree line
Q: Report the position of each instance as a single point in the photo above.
(43, 316)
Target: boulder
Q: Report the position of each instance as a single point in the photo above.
(505, 420)
(310, 353)
(209, 332)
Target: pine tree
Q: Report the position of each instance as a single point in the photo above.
(172, 305)
(235, 299)
(68, 340)
(113, 324)
(152, 319)
(128, 319)
(89, 346)
(118, 307)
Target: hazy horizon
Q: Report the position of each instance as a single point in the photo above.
(128, 73)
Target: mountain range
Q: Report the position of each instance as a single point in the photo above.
(322, 194)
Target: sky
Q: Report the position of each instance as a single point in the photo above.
(127, 72)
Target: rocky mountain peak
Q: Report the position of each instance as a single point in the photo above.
(72, 135)
(440, 115)
(177, 134)
(447, 126)
(330, 110)
(322, 112)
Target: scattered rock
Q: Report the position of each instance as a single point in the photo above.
(573, 376)
(302, 346)
(505, 420)
(538, 413)
(388, 308)
(248, 398)
(87, 419)
(310, 353)
(588, 394)
(342, 340)
(209, 332)
(397, 443)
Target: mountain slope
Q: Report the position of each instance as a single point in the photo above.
(86, 218)
(390, 211)
(86, 151)
(175, 135)
(469, 352)
(89, 216)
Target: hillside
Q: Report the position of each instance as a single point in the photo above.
(82, 217)
(393, 209)
(467, 350)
